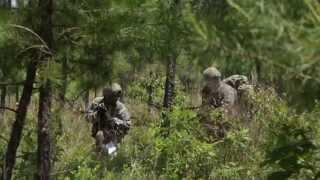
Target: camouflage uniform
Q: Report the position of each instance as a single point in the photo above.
(217, 93)
(236, 81)
(118, 115)
(109, 122)
(245, 92)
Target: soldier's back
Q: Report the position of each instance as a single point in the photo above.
(229, 94)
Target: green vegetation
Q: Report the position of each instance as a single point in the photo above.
(157, 50)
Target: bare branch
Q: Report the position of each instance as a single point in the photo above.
(41, 48)
(32, 32)
(9, 109)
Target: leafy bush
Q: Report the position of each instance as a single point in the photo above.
(293, 149)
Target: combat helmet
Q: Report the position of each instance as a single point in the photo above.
(116, 88)
(211, 73)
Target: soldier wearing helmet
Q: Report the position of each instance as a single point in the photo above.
(217, 93)
(109, 117)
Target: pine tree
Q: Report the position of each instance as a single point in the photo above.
(17, 127)
(45, 100)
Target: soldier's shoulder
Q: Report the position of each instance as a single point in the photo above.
(122, 109)
(236, 81)
(121, 105)
(226, 87)
(228, 90)
(236, 77)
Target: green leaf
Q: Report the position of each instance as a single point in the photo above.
(238, 8)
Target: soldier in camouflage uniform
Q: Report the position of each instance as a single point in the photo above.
(245, 93)
(109, 117)
(236, 81)
(216, 94)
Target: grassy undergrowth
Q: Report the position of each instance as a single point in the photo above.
(274, 143)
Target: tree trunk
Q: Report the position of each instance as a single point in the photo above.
(64, 81)
(62, 95)
(17, 126)
(258, 70)
(86, 99)
(44, 115)
(3, 101)
(17, 94)
(170, 82)
(95, 92)
(150, 91)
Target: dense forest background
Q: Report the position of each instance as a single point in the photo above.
(56, 56)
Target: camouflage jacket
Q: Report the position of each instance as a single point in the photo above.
(241, 84)
(223, 96)
(119, 113)
(236, 81)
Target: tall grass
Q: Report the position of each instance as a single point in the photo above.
(170, 144)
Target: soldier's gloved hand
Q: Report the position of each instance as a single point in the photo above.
(117, 121)
(121, 124)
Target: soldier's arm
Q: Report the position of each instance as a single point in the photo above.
(123, 115)
(91, 113)
(229, 97)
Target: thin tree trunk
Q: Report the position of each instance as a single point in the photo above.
(169, 93)
(17, 127)
(258, 70)
(44, 115)
(170, 82)
(9, 101)
(3, 101)
(17, 94)
(64, 81)
(150, 91)
(62, 94)
(86, 99)
(9, 3)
